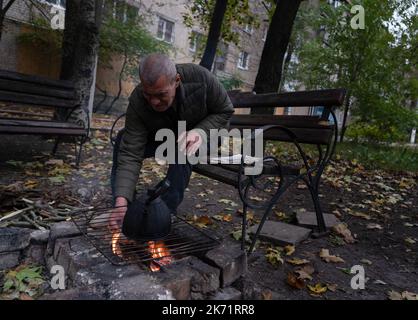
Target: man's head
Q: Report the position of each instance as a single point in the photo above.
(159, 80)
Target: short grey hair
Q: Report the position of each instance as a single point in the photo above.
(155, 65)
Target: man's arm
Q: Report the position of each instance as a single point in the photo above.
(220, 108)
(130, 157)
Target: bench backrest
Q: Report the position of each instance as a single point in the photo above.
(35, 90)
(312, 129)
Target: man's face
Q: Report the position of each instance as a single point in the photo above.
(161, 94)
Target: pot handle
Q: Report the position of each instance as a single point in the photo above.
(162, 187)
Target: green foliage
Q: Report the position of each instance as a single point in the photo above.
(231, 83)
(22, 280)
(377, 65)
(130, 39)
(43, 37)
(238, 14)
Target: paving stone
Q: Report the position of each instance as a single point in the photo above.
(61, 230)
(227, 294)
(14, 239)
(9, 260)
(281, 233)
(140, 287)
(230, 259)
(308, 219)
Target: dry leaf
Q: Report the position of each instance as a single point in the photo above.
(202, 221)
(332, 287)
(410, 240)
(393, 295)
(305, 273)
(227, 217)
(324, 254)
(342, 230)
(374, 226)
(297, 261)
(294, 281)
(360, 215)
(366, 261)
(267, 295)
(409, 295)
(289, 250)
(273, 256)
(318, 288)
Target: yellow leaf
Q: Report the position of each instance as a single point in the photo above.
(318, 288)
(360, 215)
(297, 261)
(227, 217)
(273, 256)
(342, 230)
(289, 250)
(324, 254)
(30, 184)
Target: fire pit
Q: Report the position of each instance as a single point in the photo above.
(184, 239)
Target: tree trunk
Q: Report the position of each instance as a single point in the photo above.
(344, 124)
(214, 34)
(271, 63)
(80, 48)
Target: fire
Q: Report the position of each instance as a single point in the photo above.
(116, 244)
(159, 251)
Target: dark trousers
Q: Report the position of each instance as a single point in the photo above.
(177, 174)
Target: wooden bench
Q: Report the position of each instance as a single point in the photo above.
(298, 130)
(20, 90)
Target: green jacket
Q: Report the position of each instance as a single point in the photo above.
(201, 101)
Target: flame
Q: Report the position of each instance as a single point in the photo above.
(159, 251)
(116, 244)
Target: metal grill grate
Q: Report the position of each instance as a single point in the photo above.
(184, 239)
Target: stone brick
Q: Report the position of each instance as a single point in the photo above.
(76, 253)
(14, 239)
(39, 237)
(9, 260)
(227, 294)
(206, 279)
(35, 253)
(281, 233)
(140, 287)
(61, 230)
(230, 259)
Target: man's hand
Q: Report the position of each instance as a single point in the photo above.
(117, 215)
(190, 142)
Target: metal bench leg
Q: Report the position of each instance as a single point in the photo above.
(322, 229)
(244, 226)
(78, 154)
(57, 141)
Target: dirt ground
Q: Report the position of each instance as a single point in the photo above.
(379, 208)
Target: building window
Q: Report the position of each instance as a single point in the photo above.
(243, 60)
(221, 55)
(248, 28)
(195, 41)
(58, 3)
(165, 30)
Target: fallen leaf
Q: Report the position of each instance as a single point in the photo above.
(374, 226)
(318, 288)
(342, 230)
(202, 221)
(324, 254)
(297, 261)
(379, 282)
(289, 250)
(393, 295)
(332, 287)
(273, 256)
(410, 240)
(305, 273)
(227, 217)
(294, 281)
(267, 295)
(360, 215)
(366, 261)
(228, 202)
(30, 184)
(409, 295)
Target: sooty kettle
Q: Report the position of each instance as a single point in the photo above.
(148, 218)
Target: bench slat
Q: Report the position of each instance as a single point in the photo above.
(26, 78)
(326, 98)
(37, 123)
(304, 135)
(267, 169)
(287, 121)
(217, 173)
(35, 100)
(42, 130)
(36, 89)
